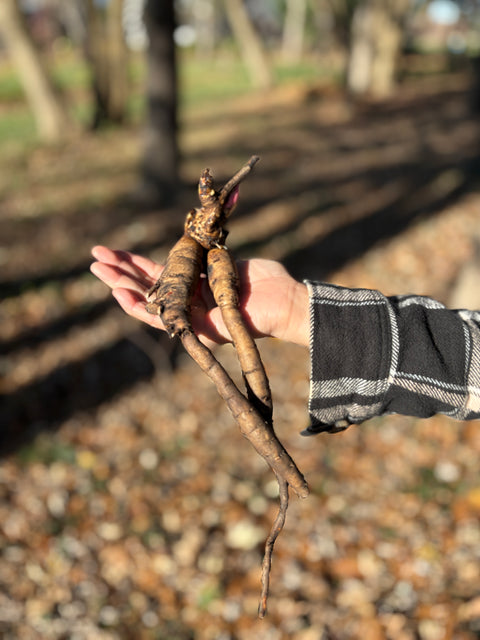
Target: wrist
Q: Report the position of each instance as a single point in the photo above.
(296, 323)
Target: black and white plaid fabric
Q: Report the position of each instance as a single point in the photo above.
(372, 355)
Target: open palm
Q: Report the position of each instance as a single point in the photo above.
(269, 297)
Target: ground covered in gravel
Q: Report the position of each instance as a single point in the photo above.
(130, 505)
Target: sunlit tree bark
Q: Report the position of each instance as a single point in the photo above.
(375, 43)
(108, 58)
(249, 44)
(50, 115)
(204, 19)
(294, 30)
(72, 16)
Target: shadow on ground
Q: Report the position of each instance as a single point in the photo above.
(335, 179)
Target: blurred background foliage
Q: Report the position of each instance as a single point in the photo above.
(129, 506)
(93, 52)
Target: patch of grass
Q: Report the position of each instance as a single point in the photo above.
(388, 533)
(175, 447)
(204, 80)
(207, 595)
(10, 87)
(429, 487)
(201, 81)
(70, 72)
(46, 449)
(305, 71)
(17, 125)
(225, 76)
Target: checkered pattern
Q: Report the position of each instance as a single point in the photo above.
(372, 355)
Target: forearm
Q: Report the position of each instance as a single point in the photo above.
(372, 355)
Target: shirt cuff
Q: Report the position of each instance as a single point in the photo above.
(352, 355)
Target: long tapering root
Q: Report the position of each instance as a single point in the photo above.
(282, 465)
(260, 435)
(276, 529)
(171, 297)
(225, 285)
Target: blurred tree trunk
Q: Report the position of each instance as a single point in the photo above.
(294, 30)
(204, 20)
(159, 167)
(341, 13)
(475, 92)
(107, 53)
(249, 44)
(360, 55)
(49, 111)
(117, 56)
(375, 43)
(72, 17)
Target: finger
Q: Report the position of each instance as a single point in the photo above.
(134, 305)
(116, 278)
(129, 262)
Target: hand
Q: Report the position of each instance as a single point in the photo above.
(272, 302)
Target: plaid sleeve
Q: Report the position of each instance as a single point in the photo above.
(372, 355)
